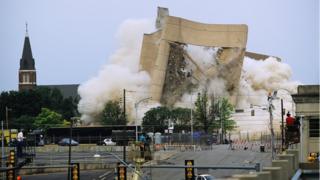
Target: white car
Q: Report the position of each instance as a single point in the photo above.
(204, 177)
(108, 142)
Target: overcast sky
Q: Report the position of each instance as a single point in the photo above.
(72, 39)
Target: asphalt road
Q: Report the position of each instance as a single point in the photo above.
(80, 157)
(84, 175)
(219, 155)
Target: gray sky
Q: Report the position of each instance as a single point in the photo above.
(72, 39)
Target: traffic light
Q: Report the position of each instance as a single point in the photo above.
(11, 164)
(12, 157)
(10, 173)
(75, 171)
(189, 171)
(122, 172)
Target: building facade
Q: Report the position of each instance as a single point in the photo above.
(307, 110)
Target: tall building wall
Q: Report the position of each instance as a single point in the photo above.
(156, 47)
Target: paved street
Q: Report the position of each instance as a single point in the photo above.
(220, 155)
(80, 157)
(85, 175)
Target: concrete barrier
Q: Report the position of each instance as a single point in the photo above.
(284, 165)
(296, 154)
(282, 169)
(275, 172)
(290, 158)
(245, 176)
(264, 175)
(80, 148)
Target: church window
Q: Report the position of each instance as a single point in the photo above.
(25, 78)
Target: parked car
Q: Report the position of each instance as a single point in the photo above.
(204, 177)
(66, 142)
(106, 142)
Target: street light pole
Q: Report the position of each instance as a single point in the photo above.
(7, 117)
(282, 127)
(7, 121)
(136, 105)
(2, 147)
(191, 126)
(271, 107)
(69, 154)
(191, 119)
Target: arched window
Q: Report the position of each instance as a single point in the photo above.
(25, 78)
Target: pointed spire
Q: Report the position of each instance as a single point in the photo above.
(27, 29)
(27, 61)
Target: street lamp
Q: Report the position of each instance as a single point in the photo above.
(7, 121)
(70, 140)
(136, 107)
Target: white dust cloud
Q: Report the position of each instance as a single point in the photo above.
(203, 59)
(120, 72)
(258, 78)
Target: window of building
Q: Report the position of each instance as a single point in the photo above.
(26, 78)
(314, 128)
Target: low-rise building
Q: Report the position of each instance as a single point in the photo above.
(307, 109)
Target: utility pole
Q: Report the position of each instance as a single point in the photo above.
(125, 119)
(191, 118)
(2, 147)
(69, 154)
(7, 117)
(282, 127)
(7, 122)
(271, 107)
(221, 123)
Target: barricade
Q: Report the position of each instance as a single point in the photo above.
(178, 147)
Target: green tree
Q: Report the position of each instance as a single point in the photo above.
(24, 122)
(30, 102)
(203, 118)
(225, 112)
(181, 118)
(47, 119)
(53, 99)
(156, 119)
(112, 114)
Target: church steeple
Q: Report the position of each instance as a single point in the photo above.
(27, 61)
(27, 70)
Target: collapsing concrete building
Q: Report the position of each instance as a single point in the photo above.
(174, 72)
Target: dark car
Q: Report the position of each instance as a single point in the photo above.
(66, 142)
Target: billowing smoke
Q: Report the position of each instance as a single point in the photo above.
(203, 63)
(120, 72)
(258, 78)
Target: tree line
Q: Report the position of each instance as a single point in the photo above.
(39, 108)
(43, 108)
(209, 115)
